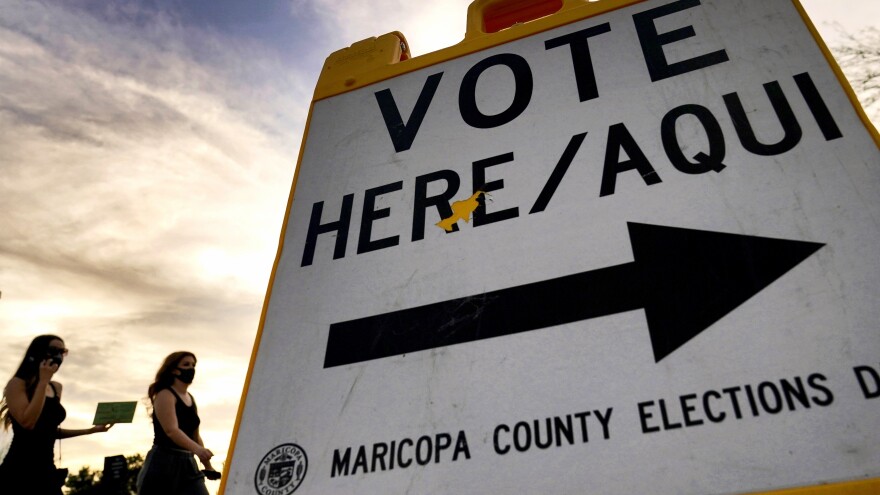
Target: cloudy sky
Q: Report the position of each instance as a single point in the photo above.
(146, 156)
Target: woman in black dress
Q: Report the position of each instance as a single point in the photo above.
(32, 407)
(170, 467)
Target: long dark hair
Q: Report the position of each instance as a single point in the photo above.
(28, 370)
(165, 375)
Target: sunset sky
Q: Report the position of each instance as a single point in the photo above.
(146, 156)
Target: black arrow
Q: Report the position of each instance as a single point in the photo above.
(685, 279)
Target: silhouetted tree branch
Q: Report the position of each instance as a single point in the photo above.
(88, 482)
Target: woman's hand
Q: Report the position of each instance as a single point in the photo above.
(47, 370)
(204, 455)
(100, 428)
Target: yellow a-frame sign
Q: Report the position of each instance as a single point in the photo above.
(610, 247)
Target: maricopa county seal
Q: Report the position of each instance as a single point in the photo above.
(282, 470)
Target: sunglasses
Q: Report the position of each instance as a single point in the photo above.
(56, 350)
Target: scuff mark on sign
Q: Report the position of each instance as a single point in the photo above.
(461, 210)
(350, 391)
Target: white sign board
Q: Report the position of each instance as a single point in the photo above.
(661, 273)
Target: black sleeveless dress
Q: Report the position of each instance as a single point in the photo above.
(29, 466)
(168, 469)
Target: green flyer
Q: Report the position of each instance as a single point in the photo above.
(114, 412)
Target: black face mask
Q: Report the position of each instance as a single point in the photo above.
(186, 375)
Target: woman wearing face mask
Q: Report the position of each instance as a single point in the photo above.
(32, 407)
(170, 468)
